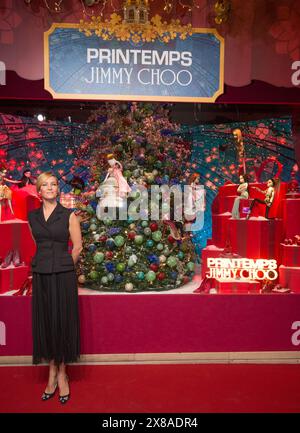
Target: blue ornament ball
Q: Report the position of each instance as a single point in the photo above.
(173, 275)
(140, 275)
(110, 266)
(110, 244)
(92, 248)
(118, 278)
(152, 258)
(180, 255)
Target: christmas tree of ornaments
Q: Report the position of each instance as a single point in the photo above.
(134, 144)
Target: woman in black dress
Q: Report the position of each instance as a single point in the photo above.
(55, 318)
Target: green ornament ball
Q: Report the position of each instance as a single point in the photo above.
(128, 249)
(107, 221)
(172, 261)
(160, 246)
(139, 239)
(156, 236)
(150, 276)
(119, 240)
(144, 223)
(93, 220)
(98, 257)
(110, 277)
(121, 267)
(166, 251)
(89, 209)
(104, 280)
(93, 275)
(93, 227)
(190, 266)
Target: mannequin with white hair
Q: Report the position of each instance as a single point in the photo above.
(113, 190)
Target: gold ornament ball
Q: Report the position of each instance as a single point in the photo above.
(81, 279)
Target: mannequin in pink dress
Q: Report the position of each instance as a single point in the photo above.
(114, 189)
(116, 171)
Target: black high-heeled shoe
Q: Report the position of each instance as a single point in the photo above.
(47, 395)
(64, 398)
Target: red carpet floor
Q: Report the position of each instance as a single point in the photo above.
(157, 388)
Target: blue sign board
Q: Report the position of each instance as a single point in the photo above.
(81, 67)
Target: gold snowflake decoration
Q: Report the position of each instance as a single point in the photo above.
(135, 32)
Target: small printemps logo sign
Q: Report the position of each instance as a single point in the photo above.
(242, 268)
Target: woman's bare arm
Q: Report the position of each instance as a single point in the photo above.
(12, 181)
(76, 238)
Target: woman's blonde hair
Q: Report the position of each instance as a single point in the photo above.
(42, 177)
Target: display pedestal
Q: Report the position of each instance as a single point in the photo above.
(291, 217)
(12, 278)
(256, 238)
(290, 255)
(220, 229)
(290, 277)
(15, 236)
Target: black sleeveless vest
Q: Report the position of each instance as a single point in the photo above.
(52, 239)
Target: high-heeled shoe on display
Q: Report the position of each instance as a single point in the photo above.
(26, 288)
(6, 262)
(16, 258)
(12, 258)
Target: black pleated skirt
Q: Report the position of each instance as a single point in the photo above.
(55, 317)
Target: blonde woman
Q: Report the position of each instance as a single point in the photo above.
(55, 318)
